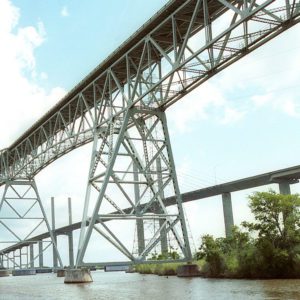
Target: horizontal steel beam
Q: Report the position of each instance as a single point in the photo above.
(290, 175)
(159, 59)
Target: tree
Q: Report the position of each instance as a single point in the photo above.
(210, 250)
(277, 225)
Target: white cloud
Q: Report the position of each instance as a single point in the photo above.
(195, 106)
(291, 108)
(23, 99)
(231, 115)
(208, 101)
(64, 12)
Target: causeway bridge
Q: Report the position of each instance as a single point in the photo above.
(120, 108)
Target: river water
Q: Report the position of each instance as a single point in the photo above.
(119, 285)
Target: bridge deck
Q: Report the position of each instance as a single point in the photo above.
(165, 39)
(165, 35)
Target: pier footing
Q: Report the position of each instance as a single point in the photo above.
(190, 270)
(78, 276)
(61, 273)
(23, 272)
(43, 270)
(4, 273)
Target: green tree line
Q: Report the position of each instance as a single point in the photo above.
(269, 247)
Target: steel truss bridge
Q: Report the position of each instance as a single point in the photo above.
(120, 107)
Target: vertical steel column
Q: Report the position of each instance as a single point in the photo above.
(121, 148)
(41, 254)
(1, 261)
(228, 214)
(139, 222)
(187, 248)
(14, 260)
(31, 253)
(163, 233)
(70, 235)
(20, 259)
(54, 235)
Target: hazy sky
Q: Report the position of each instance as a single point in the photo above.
(242, 122)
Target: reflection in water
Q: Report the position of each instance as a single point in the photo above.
(123, 286)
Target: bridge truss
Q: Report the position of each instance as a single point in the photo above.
(120, 106)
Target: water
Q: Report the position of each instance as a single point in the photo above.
(119, 285)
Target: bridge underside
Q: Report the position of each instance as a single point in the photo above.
(284, 176)
(120, 107)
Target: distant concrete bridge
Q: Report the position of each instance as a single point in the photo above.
(283, 177)
(120, 107)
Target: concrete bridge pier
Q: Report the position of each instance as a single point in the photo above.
(41, 254)
(78, 276)
(228, 213)
(284, 188)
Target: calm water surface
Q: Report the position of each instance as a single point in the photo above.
(119, 285)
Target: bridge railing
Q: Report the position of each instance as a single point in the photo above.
(192, 42)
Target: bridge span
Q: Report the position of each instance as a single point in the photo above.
(120, 107)
(283, 177)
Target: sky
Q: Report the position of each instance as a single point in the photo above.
(240, 123)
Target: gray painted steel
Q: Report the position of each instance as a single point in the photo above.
(31, 256)
(41, 254)
(290, 175)
(54, 252)
(163, 40)
(139, 222)
(133, 87)
(70, 236)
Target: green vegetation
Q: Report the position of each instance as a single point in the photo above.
(267, 248)
(164, 256)
(166, 269)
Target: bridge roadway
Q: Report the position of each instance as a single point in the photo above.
(288, 175)
(177, 50)
(165, 40)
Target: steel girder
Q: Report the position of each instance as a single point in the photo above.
(184, 45)
(126, 159)
(21, 215)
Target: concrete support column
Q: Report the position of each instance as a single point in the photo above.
(163, 233)
(41, 254)
(31, 256)
(1, 261)
(284, 188)
(139, 222)
(228, 214)
(70, 236)
(55, 262)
